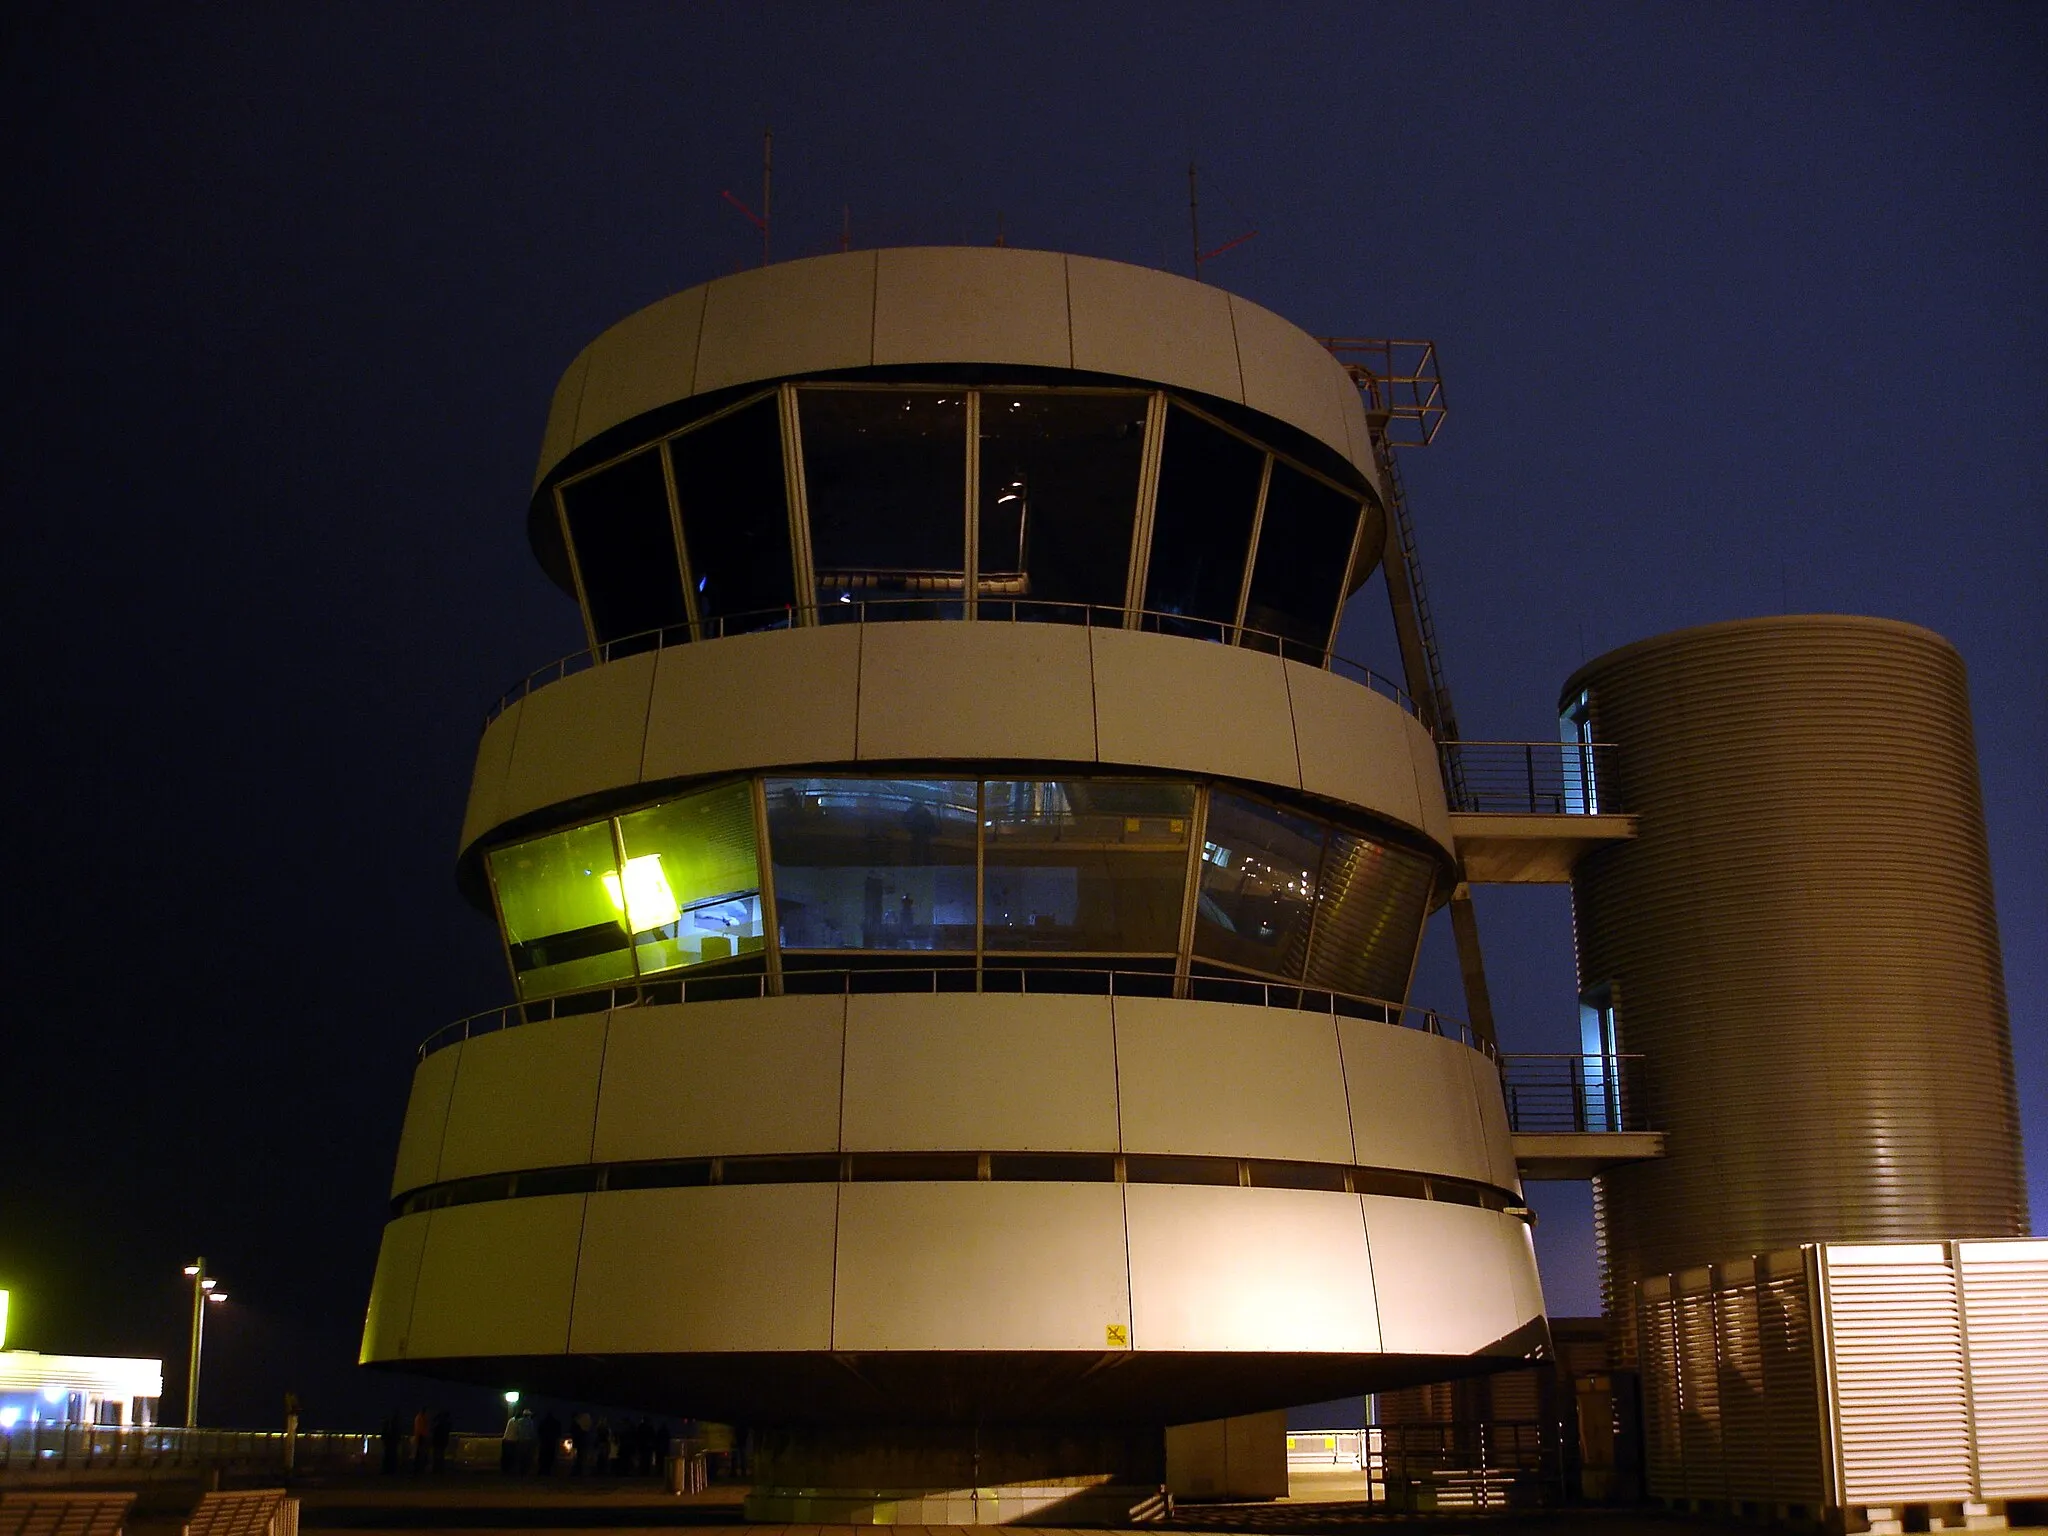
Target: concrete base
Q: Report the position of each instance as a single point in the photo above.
(925, 1475)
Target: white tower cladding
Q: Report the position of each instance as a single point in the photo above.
(961, 910)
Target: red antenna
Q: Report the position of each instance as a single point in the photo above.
(760, 220)
(1195, 228)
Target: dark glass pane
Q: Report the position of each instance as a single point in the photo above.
(915, 1167)
(1372, 901)
(1202, 527)
(681, 1174)
(1059, 492)
(1087, 868)
(625, 548)
(1180, 1170)
(735, 519)
(1327, 1176)
(1304, 555)
(885, 472)
(779, 1170)
(1054, 1167)
(873, 863)
(1258, 872)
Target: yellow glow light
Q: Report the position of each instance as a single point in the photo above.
(3, 1319)
(644, 896)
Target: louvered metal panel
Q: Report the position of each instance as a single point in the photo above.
(1802, 944)
(1663, 1459)
(1792, 1400)
(1745, 1426)
(1699, 1387)
(1895, 1354)
(2005, 1301)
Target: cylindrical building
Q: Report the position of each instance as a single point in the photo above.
(1800, 943)
(962, 912)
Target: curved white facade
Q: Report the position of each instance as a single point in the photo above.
(946, 1023)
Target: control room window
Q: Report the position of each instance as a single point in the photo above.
(564, 922)
(1202, 526)
(729, 493)
(691, 884)
(1303, 561)
(626, 550)
(1059, 493)
(885, 474)
(873, 863)
(1084, 867)
(1371, 902)
(1259, 871)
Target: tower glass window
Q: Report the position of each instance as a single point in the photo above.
(625, 549)
(1305, 538)
(729, 496)
(565, 924)
(1084, 867)
(885, 475)
(1259, 869)
(1202, 526)
(1370, 903)
(1059, 493)
(691, 883)
(868, 864)
(1575, 732)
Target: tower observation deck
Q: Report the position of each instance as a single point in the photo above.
(961, 909)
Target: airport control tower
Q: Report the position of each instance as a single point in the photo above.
(961, 910)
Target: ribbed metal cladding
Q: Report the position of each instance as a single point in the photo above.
(1802, 944)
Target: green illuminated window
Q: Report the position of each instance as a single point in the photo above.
(563, 923)
(691, 887)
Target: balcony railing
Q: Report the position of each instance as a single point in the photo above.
(1533, 778)
(1068, 979)
(1573, 1093)
(988, 610)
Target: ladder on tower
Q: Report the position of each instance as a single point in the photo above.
(1404, 406)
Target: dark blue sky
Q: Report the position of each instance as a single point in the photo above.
(1741, 310)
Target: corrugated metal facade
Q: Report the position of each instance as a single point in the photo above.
(1932, 1386)
(1802, 945)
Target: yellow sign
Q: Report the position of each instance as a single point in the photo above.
(1119, 1336)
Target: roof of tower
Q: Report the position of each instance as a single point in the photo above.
(952, 306)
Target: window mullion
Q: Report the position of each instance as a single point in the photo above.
(1251, 554)
(1344, 592)
(1191, 891)
(675, 527)
(972, 544)
(771, 926)
(1148, 501)
(575, 573)
(799, 507)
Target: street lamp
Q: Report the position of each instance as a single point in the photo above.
(204, 1289)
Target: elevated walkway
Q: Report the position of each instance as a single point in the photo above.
(1525, 812)
(1572, 1117)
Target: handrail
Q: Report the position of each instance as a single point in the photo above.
(1551, 1091)
(1251, 990)
(1536, 778)
(885, 610)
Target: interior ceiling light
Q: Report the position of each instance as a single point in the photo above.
(644, 896)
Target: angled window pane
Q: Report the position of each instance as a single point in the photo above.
(626, 549)
(1372, 902)
(1059, 492)
(885, 473)
(1084, 867)
(1304, 556)
(873, 863)
(560, 901)
(1259, 869)
(735, 519)
(1202, 528)
(692, 881)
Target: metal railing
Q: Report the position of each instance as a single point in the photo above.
(1533, 778)
(1067, 979)
(108, 1447)
(1573, 1093)
(988, 610)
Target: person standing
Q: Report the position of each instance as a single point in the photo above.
(508, 1446)
(422, 1441)
(579, 1441)
(444, 1430)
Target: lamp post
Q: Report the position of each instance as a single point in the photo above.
(205, 1289)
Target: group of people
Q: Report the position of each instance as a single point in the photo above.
(595, 1446)
(428, 1440)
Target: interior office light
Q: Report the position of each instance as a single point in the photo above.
(641, 891)
(9, 1417)
(511, 1399)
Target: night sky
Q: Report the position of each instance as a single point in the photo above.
(1742, 309)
